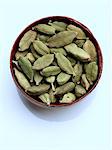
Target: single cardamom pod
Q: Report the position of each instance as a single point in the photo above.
(85, 82)
(30, 57)
(80, 33)
(68, 98)
(91, 71)
(79, 90)
(40, 47)
(78, 52)
(19, 54)
(34, 53)
(62, 78)
(64, 88)
(59, 26)
(72, 60)
(37, 90)
(58, 50)
(43, 61)
(79, 43)
(45, 98)
(78, 72)
(50, 71)
(27, 39)
(37, 77)
(43, 38)
(21, 79)
(90, 49)
(51, 80)
(26, 67)
(61, 39)
(64, 63)
(44, 28)
(52, 97)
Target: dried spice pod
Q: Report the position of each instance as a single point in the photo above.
(44, 28)
(20, 54)
(79, 43)
(26, 67)
(85, 82)
(68, 98)
(90, 49)
(45, 98)
(37, 90)
(40, 47)
(43, 38)
(51, 80)
(78, 72)
(79, 90)
(37, 77)
(26, 40)
(72, 60)
(62, 78)
(64, 88)
(50, 71)
(59, 26)
(61, 39)
(91, 71)
(58, 50)
(77, 52)
(34, 53)
(80, 33)
(30, 57)
(24, 83)
(43, 61)
(64, 63)
(52, 97)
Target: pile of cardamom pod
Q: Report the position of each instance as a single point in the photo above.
(55, 62)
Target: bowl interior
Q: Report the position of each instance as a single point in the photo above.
(68, 21)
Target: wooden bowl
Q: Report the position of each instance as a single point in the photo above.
(67, 20)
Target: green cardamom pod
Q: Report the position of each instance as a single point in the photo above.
(37, 77)
(62, 78)
(30, 57)
(37, 90)
(68, 98)
(58, 50)
(64, 63)
(43, 38)
(19, 54)
(79, 43)
(52, 97)
(26, 67)
(72, 60)
(85, 82)
(64, 88)
(78, 72)
(27, 39)
(59, 26)
(51, 80)
(34, 53)
(78, 52)
(91, 71)
(90, 49)
(43, 61)
(40, 47)
(50, 71)
(44, 28)
(45, 98)
(61, 39)
(80, 33)
(21, 79)
(79, 90)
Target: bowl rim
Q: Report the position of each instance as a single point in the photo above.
(99, 54)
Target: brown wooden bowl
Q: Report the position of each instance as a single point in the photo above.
(67, 20)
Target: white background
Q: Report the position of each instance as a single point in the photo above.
(84, 126)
